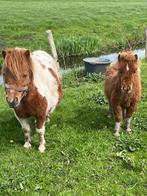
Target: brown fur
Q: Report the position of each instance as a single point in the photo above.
(18, 65)
(33, 104)
(119, 78)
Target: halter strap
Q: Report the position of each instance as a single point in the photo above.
(19, 89)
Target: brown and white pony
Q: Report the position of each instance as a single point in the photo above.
(33, 88)
(123, 88)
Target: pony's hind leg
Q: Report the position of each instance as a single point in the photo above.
(27, 131)
(40, 129)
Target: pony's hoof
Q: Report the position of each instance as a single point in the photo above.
(129, 130)
(41, 148)
(27, 145)
(116, 134)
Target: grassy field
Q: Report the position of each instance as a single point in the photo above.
(83, 157)
(79, 27)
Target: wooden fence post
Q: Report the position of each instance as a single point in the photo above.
(52, 45)
(145, 30)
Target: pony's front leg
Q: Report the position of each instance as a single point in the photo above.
(40, 129)
(118, 118)
(128, 124)
(27, 131)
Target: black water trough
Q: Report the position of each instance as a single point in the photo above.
(95, 64)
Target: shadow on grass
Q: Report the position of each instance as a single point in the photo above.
(87, 118)
(10, 129)
(81, 118)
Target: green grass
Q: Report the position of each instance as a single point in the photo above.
(79, 27)
(82, 157)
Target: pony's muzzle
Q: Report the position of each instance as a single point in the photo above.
(13, 103)
(126, 89)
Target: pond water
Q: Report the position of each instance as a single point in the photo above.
(78, 61)
(113, 57)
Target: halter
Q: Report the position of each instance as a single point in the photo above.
(24, 89)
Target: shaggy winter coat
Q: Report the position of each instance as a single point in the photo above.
(123, 88)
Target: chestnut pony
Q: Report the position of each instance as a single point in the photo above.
(33, 88)
(123, 88)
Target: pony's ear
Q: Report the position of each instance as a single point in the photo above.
(136, 56)
(27, 53)
(3, 53)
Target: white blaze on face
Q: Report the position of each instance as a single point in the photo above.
(127, 67)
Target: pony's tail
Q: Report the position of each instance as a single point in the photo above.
(53, 47)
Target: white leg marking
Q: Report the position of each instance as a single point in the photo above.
(117, 129)
(41, 133)
(128, 123)
(27, 131)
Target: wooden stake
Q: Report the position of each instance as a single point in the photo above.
(52, 44)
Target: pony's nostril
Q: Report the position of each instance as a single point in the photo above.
(11, 104)
(124, 88)
(128, 89)
(16, 100)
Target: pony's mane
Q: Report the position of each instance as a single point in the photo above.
(128, 58)
(127, 55)
(17, 60)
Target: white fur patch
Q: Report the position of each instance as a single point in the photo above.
(117, 126)
(41, 133)
(128, 123)
(44, 81)
(24, 123)
(27, 131)
(117, 129)
(27, 145)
